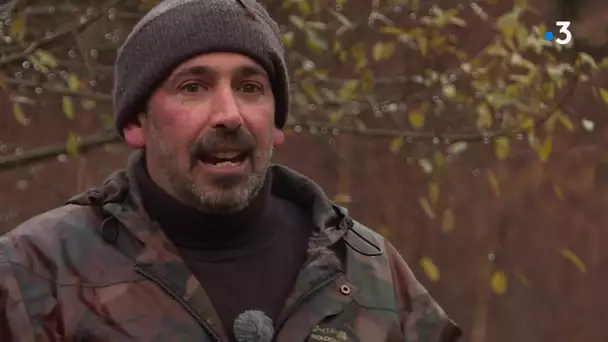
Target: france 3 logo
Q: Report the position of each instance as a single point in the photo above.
(564, 31)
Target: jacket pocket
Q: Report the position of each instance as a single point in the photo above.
(358, 323)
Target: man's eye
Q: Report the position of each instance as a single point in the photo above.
(251, 88)
(191, 87)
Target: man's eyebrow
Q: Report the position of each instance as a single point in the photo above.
(194, 71)
(199, 70)
(251, 70)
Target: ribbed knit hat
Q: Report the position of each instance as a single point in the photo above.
(177, 30)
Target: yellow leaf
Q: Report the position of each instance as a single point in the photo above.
(73, 82)
(358, 53)
(429, 268)
(18, 113)
(484, 116)
(336, 47)
(439, 159)
(349, 89)
(499, 282)
(72, 145)
(558, 191)
(311, 91)
(396, 31)
(287, 39)
(426, 206)
(521, 4)
(494, 184)
(525, 122)
(342, 199)
(315, 42)
(585, 58)
(604, 94)
(336, 116)
(501, 147)
(433, 192)
(499, 100)
(496, 49)
(38, 65)
(574, 259)
(544, 150)
(566, 122)
(68, 107)
(508, 23)
(367, 84)
(383, 51)
(46, 59)
(422, 44)
(17, 29)
(449, 90)
(417, 117)
(396, 144)
(447, 222)
(304, 8)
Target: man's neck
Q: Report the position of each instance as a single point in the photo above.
(188, 227)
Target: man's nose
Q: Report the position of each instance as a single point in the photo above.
(225, 109)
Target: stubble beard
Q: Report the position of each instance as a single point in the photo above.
(217, 196)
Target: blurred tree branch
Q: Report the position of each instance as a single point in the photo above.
(70, 28)
(57, 89)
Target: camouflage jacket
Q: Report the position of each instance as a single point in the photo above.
(98, 269)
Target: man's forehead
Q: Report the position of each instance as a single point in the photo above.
(219, 64)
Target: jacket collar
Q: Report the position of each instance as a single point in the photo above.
(120, 197)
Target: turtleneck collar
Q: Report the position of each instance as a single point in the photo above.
(190, 228)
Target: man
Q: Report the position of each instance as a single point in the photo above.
(200, 239)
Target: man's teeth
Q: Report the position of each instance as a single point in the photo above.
(226, 163)
(226, 155)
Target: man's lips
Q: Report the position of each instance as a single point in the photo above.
(226, 157)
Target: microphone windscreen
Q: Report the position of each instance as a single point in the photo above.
(253, 326)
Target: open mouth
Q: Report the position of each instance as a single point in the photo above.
(226, 159)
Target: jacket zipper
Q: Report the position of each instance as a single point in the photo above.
(208, 329)
(303, 298)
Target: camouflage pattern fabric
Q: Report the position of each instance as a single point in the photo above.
(97, 269)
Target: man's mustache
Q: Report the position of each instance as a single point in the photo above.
(238, 139)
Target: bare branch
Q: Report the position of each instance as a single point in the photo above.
(45, 152)
(63, 31)
(57, 89)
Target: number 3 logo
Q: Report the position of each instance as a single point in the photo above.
(564, 25)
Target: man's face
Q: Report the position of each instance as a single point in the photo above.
(209, 132)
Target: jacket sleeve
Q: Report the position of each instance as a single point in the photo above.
(422, 319)
(14, 321)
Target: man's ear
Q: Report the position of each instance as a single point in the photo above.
(278, 137)
(134, 132)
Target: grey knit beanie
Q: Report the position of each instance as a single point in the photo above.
(177, 30)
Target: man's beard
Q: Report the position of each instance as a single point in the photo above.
(223, 199)
(220, 195)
